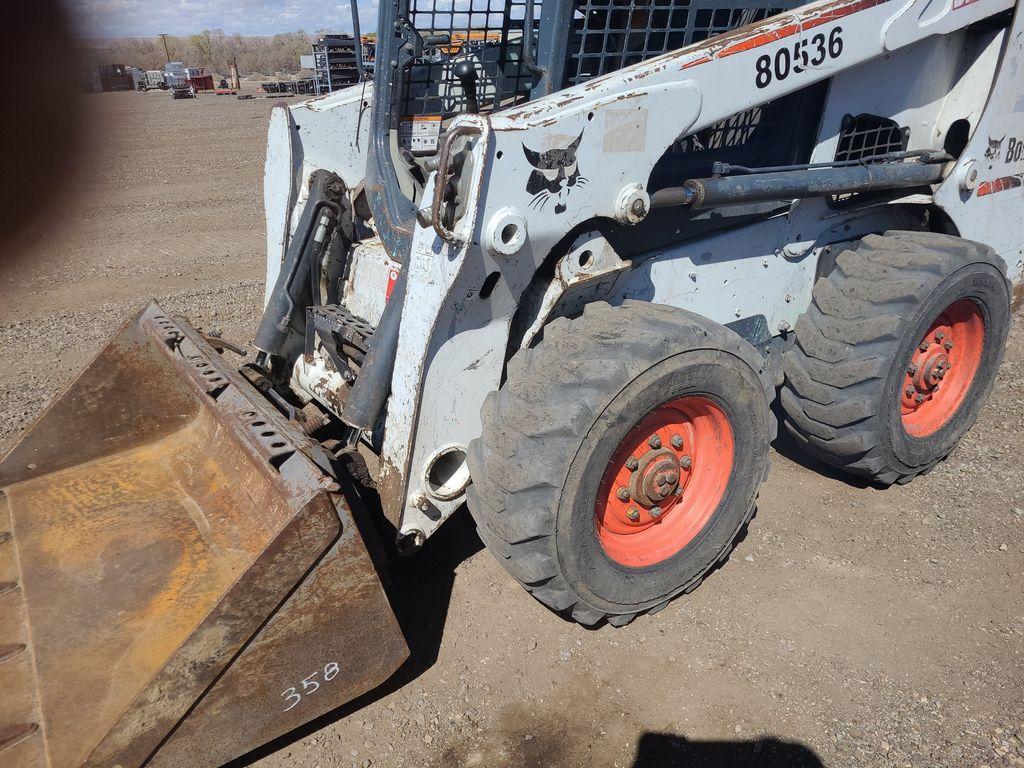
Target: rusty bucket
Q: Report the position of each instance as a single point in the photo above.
(181, 580)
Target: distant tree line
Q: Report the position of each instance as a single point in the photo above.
(213, 50)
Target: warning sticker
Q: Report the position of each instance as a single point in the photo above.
(392, 279)
(419, 134)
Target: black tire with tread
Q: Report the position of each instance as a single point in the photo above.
(536, 426)
(852, 343)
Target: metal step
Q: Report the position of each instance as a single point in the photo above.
(345, 335)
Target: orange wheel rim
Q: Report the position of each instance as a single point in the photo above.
(942, 368)
(664, 482)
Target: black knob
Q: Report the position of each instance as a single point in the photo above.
(465, 71)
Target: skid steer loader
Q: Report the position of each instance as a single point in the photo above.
(559, 275)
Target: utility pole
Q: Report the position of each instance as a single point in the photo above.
(166, 53)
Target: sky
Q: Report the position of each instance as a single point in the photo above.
(146, 18)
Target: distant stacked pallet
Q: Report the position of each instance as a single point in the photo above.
(334, 59)
(115, 77)
(290, 86)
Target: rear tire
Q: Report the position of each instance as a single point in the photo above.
(576, 412)
(897, 353)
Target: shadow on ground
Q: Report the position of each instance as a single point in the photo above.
(420, 590)
(668, 750)
(566, 745)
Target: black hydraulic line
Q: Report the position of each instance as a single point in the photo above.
(305, 247)
(311, 253)
(373, 384)
(790, 185)
(325, 226)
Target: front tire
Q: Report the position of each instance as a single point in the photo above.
(621, 458)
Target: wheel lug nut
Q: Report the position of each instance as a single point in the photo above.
(623, 494)
(909, 391)
(919, 399)
(655, 512)
(685, 462)
(633, 514)
(947, 345)
(632, 463)
(924, 346)
(939, 336)
(677, 442)
(911, 369)
(654, 441)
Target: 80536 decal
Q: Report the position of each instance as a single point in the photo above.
(807, 52)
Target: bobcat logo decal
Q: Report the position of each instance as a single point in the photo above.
(554, 174)
(994, 145)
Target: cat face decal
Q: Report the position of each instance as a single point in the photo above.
(994, 145)
(554, 174)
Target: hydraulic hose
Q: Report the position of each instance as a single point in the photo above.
(290, 297)
(373, 384)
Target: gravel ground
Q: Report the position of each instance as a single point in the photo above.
(852, 626)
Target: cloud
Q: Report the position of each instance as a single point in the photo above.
(146, 18)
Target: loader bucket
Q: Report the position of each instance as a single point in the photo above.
(181, 580)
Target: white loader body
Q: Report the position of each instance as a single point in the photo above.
(922, 66)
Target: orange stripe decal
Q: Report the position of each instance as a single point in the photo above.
(996, 186)
(815, 19)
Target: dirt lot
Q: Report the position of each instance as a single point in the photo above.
(852, 626)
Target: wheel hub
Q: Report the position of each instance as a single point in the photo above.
(656, 481)
(942, 368)
(664, 481)
(928, 369)
(657, 477)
